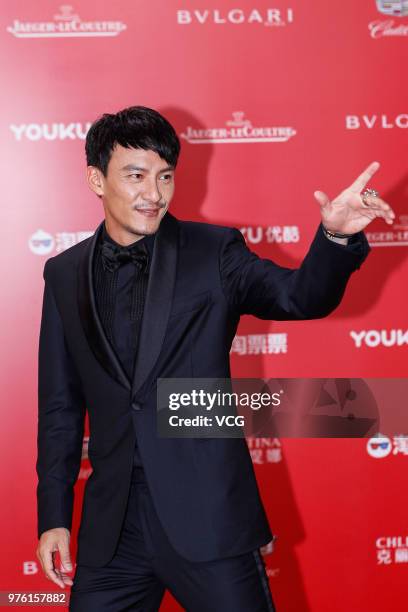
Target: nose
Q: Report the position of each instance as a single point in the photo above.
(151, 192)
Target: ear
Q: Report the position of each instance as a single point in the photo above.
(94, 179)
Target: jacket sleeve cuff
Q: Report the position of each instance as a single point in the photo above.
(357, 248)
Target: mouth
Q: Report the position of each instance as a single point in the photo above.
(148, 212)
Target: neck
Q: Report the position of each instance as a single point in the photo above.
(121, 235)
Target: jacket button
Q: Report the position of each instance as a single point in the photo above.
(136, 406)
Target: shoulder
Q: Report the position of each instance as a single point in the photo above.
(208, 233)
(60, 263)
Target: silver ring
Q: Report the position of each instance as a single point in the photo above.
(368, 192)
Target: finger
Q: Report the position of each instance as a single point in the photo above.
(49, 568)
(39, 557)
(65, 556)
(321, 198)
(377, 203)
(364, 177)
(372, 213)
(66, 579)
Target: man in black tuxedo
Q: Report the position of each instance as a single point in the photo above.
(149, 296)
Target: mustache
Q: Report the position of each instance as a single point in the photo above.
(162, 204)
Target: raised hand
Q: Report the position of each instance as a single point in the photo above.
(348, 213)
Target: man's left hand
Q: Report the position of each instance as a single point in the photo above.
(348, 213)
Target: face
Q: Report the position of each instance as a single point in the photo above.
(136, 192)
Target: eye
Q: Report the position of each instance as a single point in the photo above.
(136, 174)
(167, 177)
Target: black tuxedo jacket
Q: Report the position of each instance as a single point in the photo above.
(202, 278)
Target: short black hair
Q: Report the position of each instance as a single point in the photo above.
(136, 127)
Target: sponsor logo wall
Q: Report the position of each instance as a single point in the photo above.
(271, 102)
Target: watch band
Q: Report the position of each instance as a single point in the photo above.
(336, 234)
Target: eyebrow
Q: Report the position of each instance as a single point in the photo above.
(132, 167)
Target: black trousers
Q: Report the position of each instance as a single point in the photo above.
(145, 564)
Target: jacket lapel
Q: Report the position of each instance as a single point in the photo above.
(159, 297)
(156, 311)
(88, 313)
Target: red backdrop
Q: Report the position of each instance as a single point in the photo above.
(272, 102)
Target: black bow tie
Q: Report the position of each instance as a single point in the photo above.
(113, 256)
